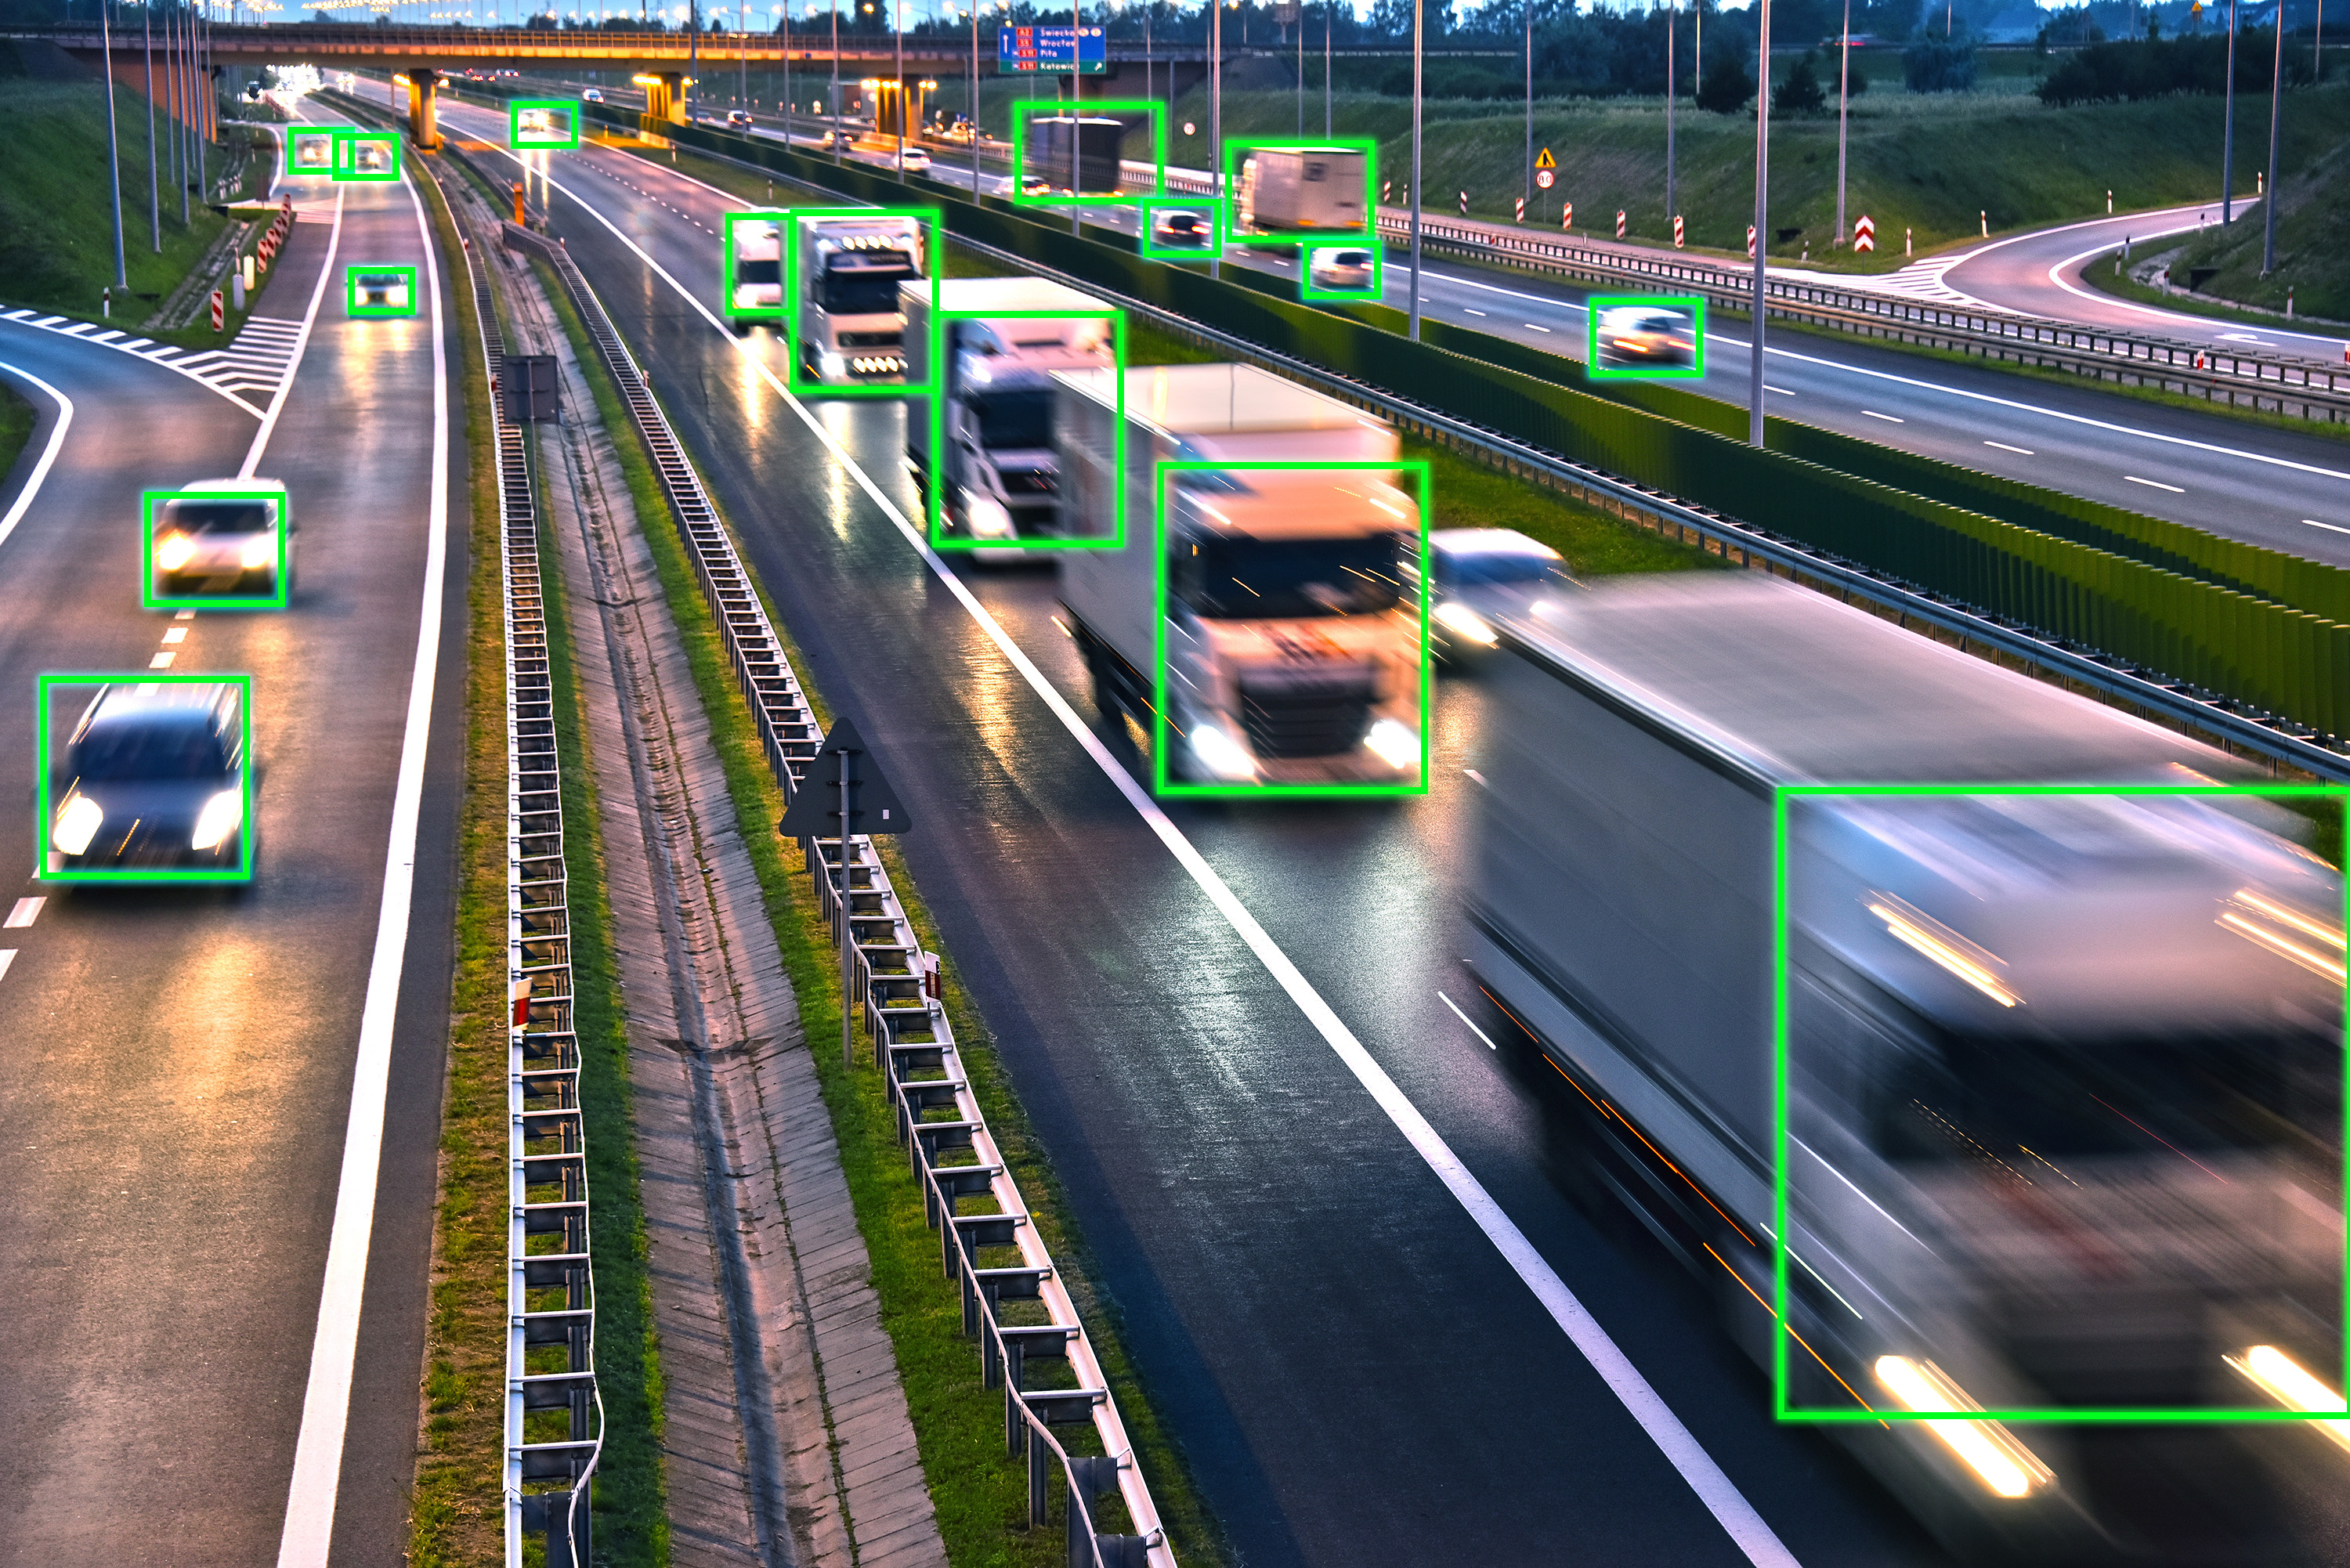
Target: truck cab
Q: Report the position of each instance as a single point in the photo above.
(851, 331)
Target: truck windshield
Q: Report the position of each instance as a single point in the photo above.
(2023, 1103)
(1009, 421)
(1223, 579)
(768, 272)
(869, 288)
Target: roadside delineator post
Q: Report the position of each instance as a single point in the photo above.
(1521, 209)
(1680, 230)
(1863, 234)
(217, 314)
(1566, 217)
(1619, 222)
(1749, 242)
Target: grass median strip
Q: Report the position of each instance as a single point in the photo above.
(979, 1492)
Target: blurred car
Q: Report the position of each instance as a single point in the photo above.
(1035, 185)
(1643, 335)
(841, 140)
(371, 155)
(1481, 575)
(540, 123)
(384, 290)
(153, 777)
(1188, 231)
(738, 118)
(314, 151)
(591, 95)
(227, 546)
(1343, 269)
(960, 133)
(917, 157)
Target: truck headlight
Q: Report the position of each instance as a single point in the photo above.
(172, 550)
(1465, 623)
(1220, 754)
(2005, 1465)
(1393, 745)
(77, 823)
(218, 819)
(989, 519)
(2283, 1379)
(260, 551)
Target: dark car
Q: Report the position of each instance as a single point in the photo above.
(154, 778)
(1190, 231)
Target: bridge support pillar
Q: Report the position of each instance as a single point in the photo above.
(423, 126)
(664, 99)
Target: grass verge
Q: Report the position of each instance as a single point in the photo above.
(15, 426)
(979, 1493)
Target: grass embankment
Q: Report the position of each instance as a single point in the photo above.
(56, 216)
(15, 428)
(979, 1493)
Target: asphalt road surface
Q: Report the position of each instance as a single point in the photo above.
(1356, 1373)
(182, 1061)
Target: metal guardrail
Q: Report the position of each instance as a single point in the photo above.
(996, 1255)
(2278, 738)
(2307, 389)
(550, 1349)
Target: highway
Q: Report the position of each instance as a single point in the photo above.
(2279, 488)
(1254, 1106)
(185, 1061)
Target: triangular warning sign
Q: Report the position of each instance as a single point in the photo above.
(1542, 160)
(815, 808)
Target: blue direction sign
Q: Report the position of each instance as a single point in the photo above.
(1023, 50)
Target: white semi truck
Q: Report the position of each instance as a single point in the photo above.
(2062, 1082)
(996, 467)
(849, 330)
(1323, 190)
(758, 280)
(1293, 647)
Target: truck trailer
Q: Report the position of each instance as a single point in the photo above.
(850, 329)
(1320, 190)
(2062, 1072)
(1294, 650)
(997, 469)
(1093, 140)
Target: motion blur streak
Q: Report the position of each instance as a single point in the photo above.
(1721, 1497)
(2281, 1377)
(2006, 1465)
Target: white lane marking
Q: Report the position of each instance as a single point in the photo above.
(17, 508)
(185, 615)
(1464, 1018)
(25, 911)
(176, 634)
(7, 957)
(2158, 216)
(1468, 311)
(1888, 419)
(1530, 327)
(2245, 338)
(1720, 1495)
(301, 346)
(2176, 319)
(334, 1351)
(2020, 451)
(2329, 528)
(2153, 484)
(1780, 391)
(171, 359)
(161, 661)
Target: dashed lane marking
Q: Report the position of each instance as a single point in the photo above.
(23, 912)
(2153, 484)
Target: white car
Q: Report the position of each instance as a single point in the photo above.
(917, 158)
(1342, 269)
(592, 95)
(1481, 573)
(738, 118)
(229, 546)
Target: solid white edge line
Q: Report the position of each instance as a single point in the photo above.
(48, 457)
(2177, 319)
(2331, 527)
(334, 1351)
(1715, 1490)
(301, 346)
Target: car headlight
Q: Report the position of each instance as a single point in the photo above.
(172, 550)
(220, 817)
(1464, 622)
(79, 821)
(1393, 745)
(260, 551)
(396, 297)
(1220, 754)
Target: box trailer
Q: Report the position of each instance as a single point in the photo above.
(1305, 191)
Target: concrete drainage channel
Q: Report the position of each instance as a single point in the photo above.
(546, 1239)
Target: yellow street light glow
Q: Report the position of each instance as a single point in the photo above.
(1998, 1461)
(2281, 1379)
(645, 82)
(1921, 931)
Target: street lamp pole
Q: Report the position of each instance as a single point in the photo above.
(1843, 104)
(113, 156)
(2276, 111)
(1762, 223)
(1216, 114)
(975, 99)
(836, 81)
(897, 22)
(1529, 9)
(1672, 167)
(2227, 132)
(154, 182)
(1418, 26)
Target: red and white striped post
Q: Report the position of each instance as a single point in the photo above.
(1681, 232)
(1566, 221)
(1521, 209)
(1863, 234)
(218, 312)
(1749, 242)
(1619, 222)
(1464, 204)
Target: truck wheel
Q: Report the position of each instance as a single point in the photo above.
(1106, 696)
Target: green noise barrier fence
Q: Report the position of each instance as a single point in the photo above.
(2257, 625)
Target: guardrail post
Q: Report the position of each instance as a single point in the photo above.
(1039, 1474)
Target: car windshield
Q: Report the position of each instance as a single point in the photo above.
(181, 747)
(1010, 420)
(867, 290)
(214, 516)
(1497, 567)
(1222, 577)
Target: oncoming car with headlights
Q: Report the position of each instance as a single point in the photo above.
(1481, 575)
(153, 780)
(221, 538)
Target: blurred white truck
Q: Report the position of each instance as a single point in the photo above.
(1293, 649)
(1305, 190)
(849, 330)
(758, 280)
(2063, 1074)
(996, 468)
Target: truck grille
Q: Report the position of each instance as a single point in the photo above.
(870, 340)
(1318, 719)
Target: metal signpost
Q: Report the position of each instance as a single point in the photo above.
(865, 804)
